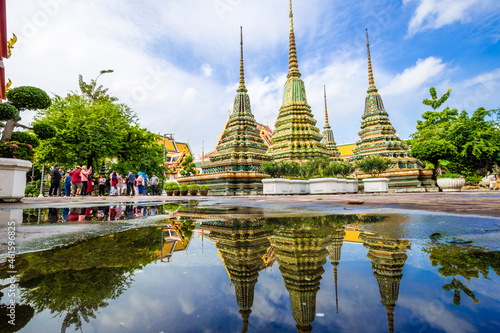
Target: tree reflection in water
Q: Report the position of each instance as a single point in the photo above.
(465, 261)
(78, 280)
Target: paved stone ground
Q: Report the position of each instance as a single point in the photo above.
(466, 202)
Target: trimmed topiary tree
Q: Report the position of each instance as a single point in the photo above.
(20, 99)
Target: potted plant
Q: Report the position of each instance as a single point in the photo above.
(184, 189)
(450, 182)
(188, 167)
(276, 184)
(204, 189)
(374, 166)
(193, 189)
(170, 187)
(16, 148)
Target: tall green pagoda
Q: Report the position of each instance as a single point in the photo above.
(328, 139)
(295, 136)
(236, 170)
(334, 251)
(378, 136)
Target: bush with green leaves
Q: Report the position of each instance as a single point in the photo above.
(449, 175)
(184, 187)
(373, 165)
(25, 137)
(188, 167)
(8, 112)
(204, 187)
(171, 186)
(20, 99)
(18, 150)
(193, 187)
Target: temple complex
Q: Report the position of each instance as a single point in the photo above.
(301, 254)
(236, 170)
(378, 137)
(328, 139)
(295, 136)
(387, 256)
(243, 246)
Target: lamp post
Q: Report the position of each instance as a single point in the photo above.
(41, 182)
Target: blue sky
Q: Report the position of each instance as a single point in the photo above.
(176, 62)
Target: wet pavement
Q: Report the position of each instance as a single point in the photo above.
(256, 264)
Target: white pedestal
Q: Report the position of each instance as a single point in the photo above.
(276, 186)
(373, 185)
(13, 178)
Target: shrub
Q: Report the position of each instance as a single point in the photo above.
(29, 98)
(44, 131)
(8, 112)
(204, 187)
(193, 186)
(14, 149)
(25, 137)
(373, 165)
(271, 168)
(449, 175)
(184, 187)
(171, 186)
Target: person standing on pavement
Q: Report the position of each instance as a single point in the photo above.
(61, 171)
(154, 183)
(130, 183)
(76, 181)
(67, 185)
(55, 180)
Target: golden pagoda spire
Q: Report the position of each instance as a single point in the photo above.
(242, 87)
(336, 295)
(293, 66)
(371, 81)
(326, 110)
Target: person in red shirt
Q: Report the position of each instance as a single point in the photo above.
(76, 181)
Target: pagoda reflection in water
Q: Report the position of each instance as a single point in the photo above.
(387, 256)
(244, 248)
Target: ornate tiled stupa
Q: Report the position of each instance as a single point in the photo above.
(301, 254)
(242, 245)
(295, 136)
(328, 139)
(378, 137)
(387, 256)
(236, 170)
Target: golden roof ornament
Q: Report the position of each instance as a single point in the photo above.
(8, 85)
(371, 81)
(10, 45)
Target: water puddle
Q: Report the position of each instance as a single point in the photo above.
(190, 268)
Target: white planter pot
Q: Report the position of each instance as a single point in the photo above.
(299, 187)
(352, 186)
(323, 186)
(376, 185)
(13, 178)
(276, 186)
(342, 185)
(9, 215)
(451, 184)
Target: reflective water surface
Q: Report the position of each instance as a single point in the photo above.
(199, 270)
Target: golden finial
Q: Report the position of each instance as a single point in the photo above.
(326, 110)
(10, 45)
(242, 87)
(7, 86)
(293, 66)
(371, 81)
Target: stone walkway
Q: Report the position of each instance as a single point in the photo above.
(466, 202)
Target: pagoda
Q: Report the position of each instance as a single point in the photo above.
(328, 139)
(378, 138)
(387, 256)
(235, 169)
(295, 136)
(243, 246)
(301, 254)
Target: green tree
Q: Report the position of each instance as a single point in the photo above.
(21, 99)
(188, 167)
(467, 144)
(93, 92)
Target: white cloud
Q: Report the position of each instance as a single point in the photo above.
(434, 14)
(415, 77)
(207, 70)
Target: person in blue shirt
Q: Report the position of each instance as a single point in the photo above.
(67, 185)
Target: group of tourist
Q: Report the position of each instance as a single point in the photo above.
(80, 182)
